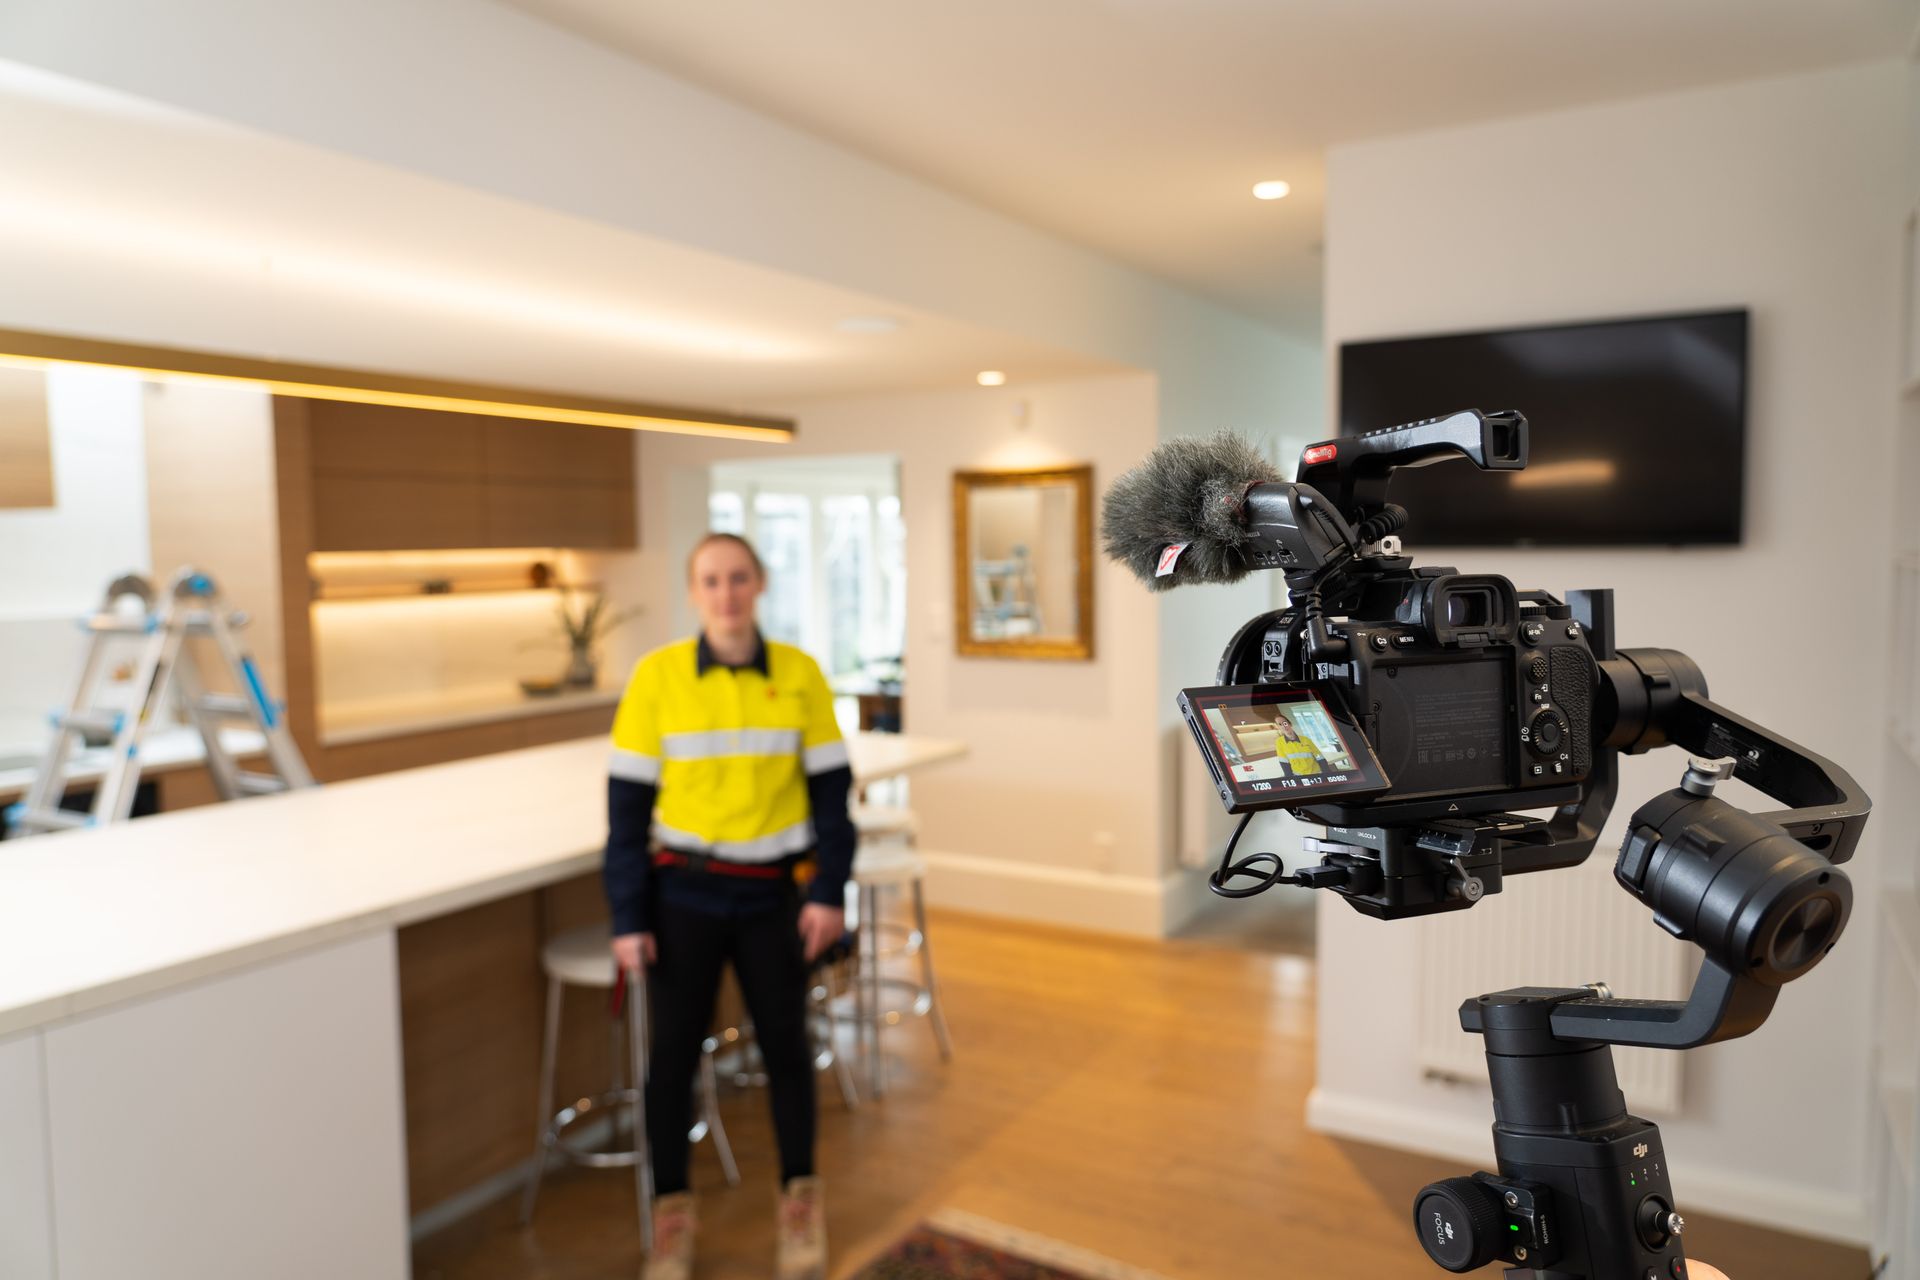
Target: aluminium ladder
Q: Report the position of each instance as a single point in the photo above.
(166, 665)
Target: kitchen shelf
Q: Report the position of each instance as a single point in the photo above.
(366, 721)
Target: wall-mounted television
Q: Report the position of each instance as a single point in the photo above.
(1638, 429)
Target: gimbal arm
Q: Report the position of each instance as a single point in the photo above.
(1759, 893)
(1660, 699)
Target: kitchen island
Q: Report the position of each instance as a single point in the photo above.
(201, 1013)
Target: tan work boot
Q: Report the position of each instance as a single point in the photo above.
(674, 1220)
(801, 1232)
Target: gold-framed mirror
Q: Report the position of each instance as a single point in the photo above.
(1023, 563)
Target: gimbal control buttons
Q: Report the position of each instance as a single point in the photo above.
(1655, 1222)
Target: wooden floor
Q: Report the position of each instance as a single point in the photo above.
(1141, 1100)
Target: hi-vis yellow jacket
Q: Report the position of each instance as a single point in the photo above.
(742, 764)
(1301, 755)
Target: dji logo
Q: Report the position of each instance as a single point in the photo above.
(1640, 1152)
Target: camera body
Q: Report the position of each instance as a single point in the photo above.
(1474, 698)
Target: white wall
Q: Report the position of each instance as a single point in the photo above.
(212, 503)
(1056, 812)
(56, 561)
(1778, 195)
(147, 478)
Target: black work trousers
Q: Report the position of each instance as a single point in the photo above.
(762, 941)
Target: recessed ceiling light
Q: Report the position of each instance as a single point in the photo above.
(870, 324)
(1271, 190)
(991, 378)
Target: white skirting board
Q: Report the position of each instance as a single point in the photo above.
(1804, 1209)
(1141, 906)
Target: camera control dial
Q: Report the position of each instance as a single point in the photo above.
(1546, 733)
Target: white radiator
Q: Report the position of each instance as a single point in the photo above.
(1551, 929)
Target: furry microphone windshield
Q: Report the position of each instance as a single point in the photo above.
(1190, 490)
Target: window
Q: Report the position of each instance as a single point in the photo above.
(834, 544)
(783, 534)
(726, 513)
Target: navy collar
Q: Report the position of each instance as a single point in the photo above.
(703, 659)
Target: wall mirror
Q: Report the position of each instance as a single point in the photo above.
(1023, 563)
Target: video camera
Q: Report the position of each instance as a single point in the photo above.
(1449, 730)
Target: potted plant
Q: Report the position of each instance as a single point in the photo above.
(585, 625)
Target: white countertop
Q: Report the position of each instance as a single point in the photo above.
(391, 717)
(164, 750)
(89, 918)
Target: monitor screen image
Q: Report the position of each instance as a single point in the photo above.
(1269, 742)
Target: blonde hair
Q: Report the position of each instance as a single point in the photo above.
(734, 538)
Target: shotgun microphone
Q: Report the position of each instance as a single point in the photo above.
(1180, 516)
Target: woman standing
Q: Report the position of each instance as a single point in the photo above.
(1301, 755)
(728, 841)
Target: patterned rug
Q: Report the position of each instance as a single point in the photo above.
(952, 1245)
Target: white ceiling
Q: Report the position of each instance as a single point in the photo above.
(1139, 126)
(121, 219)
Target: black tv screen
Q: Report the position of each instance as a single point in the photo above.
(1638, 429)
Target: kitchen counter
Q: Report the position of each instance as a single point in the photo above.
(88, 918)
(201, 1013)
(392, 717)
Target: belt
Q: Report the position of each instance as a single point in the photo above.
(707, 864)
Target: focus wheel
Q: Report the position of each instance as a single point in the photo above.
(1460, 1222)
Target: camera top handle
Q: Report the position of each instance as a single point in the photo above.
(1352, 471)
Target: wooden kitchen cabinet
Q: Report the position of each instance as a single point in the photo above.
(558, 515)
(399, 513)
(391, 479)
(380, 440)
(556, 451)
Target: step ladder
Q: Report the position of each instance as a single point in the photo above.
(166, 665)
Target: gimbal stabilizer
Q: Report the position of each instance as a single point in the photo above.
(1583, 1186)
(1758, 893)
(1445, 709)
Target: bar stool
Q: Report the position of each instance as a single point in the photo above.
(886, 858)
(581, 958)
(740, 1052)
